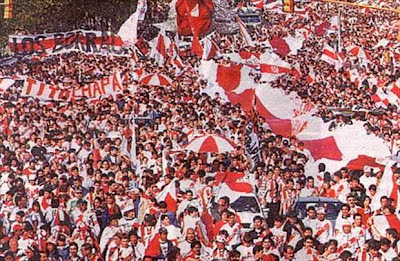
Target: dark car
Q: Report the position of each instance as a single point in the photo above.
(332, 207)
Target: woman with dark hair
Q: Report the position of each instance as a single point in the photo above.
(36, 217)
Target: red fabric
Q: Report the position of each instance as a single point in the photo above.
(363, 160)
(278, 126)
(222, 177)
(395, 196)
(393, 221)
(209, 144)
(230, 179)
(321, 29)
(196, 47)
(161, 48)
(208, 221)
(240, 187)
(245, 99)
(323, 148)
(171, 203)
(280, 46)
(153, 249)
(189, 24)
(228, 77)
(396, 90)
(296, 73)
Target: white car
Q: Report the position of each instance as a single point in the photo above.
(246, 206)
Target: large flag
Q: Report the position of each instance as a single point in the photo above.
(272, 66)
(168, 194)
(128, 30)
(194, 16)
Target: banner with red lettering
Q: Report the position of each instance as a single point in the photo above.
(94, 42)
(108, 85)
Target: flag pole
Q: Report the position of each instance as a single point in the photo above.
(133, 142)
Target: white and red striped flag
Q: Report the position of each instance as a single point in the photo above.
(330, 56)
(383, 222)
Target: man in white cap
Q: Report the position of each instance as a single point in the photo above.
(347, 240)
(129, 221)
(366, 179)
(323, 230)
(220, 252)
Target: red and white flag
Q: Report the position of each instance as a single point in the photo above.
(396, 89)
(383, 222)
(209, 49)
(358, 52)
(380, 98)
(387, 187)
(168, 194)
(159, 50)
(330, 56)
(310, 78)
(272, 66)
(257, 3)
(153, 249)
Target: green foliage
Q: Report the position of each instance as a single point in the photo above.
(37, 16)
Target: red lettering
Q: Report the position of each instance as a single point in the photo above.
(104, 82)
(53, 91)
(31, 82)
(64, 95)
(86, 88)
(96, 89)
(41, 89)
(116, 83)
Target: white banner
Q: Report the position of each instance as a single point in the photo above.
(94, 42)
(106, 86)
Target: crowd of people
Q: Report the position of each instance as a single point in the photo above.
(69, 190)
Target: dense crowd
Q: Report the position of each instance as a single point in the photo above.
(69, 192)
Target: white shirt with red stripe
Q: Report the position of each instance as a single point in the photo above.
(342, 189)
(323, 231)
(347, 242)
(233, 232)
(306, 254)
(246, 253)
